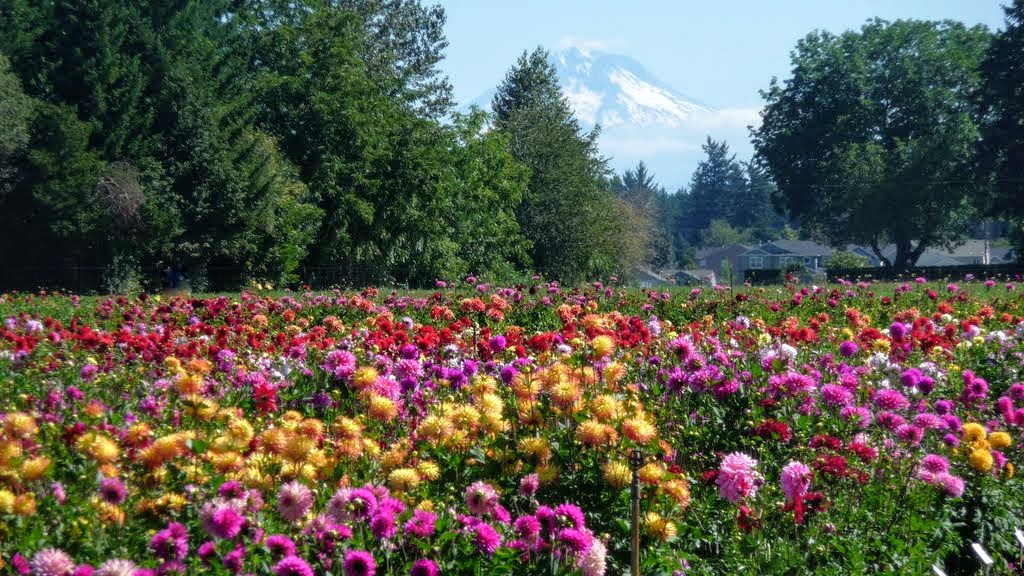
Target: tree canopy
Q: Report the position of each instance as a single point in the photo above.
(1001, 153)
(871, 139)
(576, 226)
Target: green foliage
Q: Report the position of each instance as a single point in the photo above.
(258, 139)
(871, 139)
(54, 205)
(844, 259)
(477, 202)
(405, 44)
(15, 117)
(720, 233)
(570, 216)
(1001, 154)
(722, 188)
(638, 188)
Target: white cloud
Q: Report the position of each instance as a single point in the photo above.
(584, 101)
(611, 118)
(725, 119)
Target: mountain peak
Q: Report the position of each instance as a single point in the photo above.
(641, 116)
(614, 90)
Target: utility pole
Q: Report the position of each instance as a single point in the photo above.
(636, 460)
(985, 258)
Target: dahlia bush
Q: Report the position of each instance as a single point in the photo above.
(848, 429)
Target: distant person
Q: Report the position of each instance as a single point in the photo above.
(170, 277)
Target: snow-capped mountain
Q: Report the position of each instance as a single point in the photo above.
(642, 117)
(614, 90)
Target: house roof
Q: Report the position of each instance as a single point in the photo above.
(702, 253)
(792, 248)
(969, 249)
(931, 258)
(801, 247)
(646, 274)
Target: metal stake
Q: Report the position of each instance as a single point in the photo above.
(636, 460)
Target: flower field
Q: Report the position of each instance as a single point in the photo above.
(847, 429)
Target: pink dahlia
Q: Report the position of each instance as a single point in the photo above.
(935, 464)
(294, 501)
(486, 538)
(737, 477)
(424, 567)
(796, 480)
(51, 562)
(953, 485)
(889, 399)
(292, 566)
(481, 498)
(359, 563)
(116, 567)
(592, 563)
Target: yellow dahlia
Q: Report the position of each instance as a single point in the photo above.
(981, 460)
(1000, 440)
(34, 468)
(403, 479)
(617, 474)
(19, 425)
(651, 473)
(603, 346)
(973, 431)
(679, 490)
(25, 504)
(428, 470)
(6, 501)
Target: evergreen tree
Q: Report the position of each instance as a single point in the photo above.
(569, 212)
(717, 191)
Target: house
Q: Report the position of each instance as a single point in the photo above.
(780, 254)
(864, 252)
(971, 252)
(647, 278)
(695, 278)
(715, 259)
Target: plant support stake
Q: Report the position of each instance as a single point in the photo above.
(636, 460)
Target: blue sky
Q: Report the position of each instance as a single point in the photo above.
(720, 52)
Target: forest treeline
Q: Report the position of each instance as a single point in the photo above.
(263, 135)
(268, 137)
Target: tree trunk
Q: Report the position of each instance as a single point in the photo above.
(907, 254)
(902, 259)
(878, 252)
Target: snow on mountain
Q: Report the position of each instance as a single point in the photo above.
(642, 117)
(615, 90)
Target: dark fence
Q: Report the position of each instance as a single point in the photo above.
(1012, 271)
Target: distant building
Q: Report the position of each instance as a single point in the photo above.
(780, 254)
(647, 278)
(971, 252)
(695, 278)
(863, 252)
(714, 259)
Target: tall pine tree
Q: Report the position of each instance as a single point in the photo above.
(569, 214)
